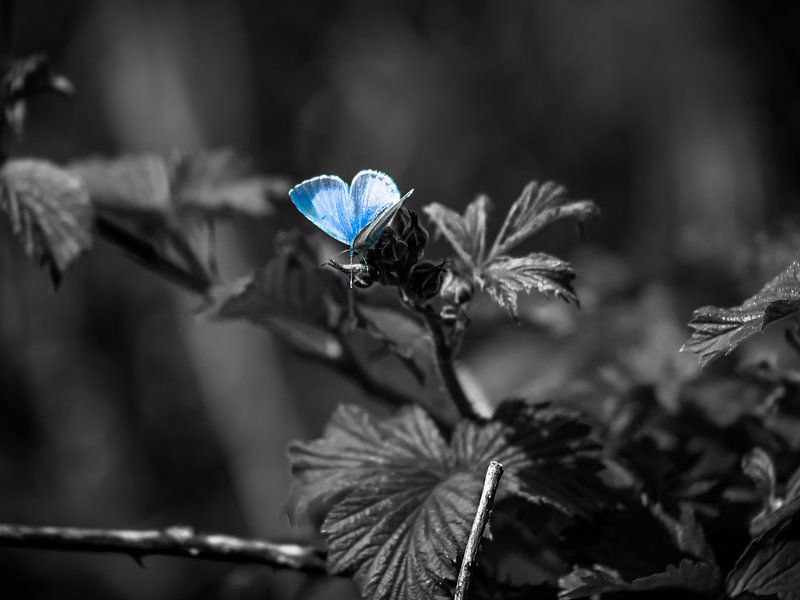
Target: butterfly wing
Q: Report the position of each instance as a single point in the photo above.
(375, 200)
(368, 236)
(326, 202)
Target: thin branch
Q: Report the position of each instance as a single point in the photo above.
(148, 256)
(493, 475)
(443, 355)
(173, 541)
(349, 366)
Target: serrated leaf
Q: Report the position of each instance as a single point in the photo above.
(538, 206)
(719, 331)
(506, 277)
(132, 183)
(467, 234)
(221, 182)
(503, 276)
(770, 564)
(399, 499)
(208, 183)
(687, 578)
(287, 296)
(49, 211)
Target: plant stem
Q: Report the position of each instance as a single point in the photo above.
(443, 355)
(148, 256)
(493, 475)
(172, 541)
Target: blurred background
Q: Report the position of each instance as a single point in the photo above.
(119, 409)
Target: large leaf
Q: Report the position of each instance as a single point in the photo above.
(49, 210)
(399, 500)
(506, 277)
(220, 182)
(770, 564)
(719, 331)
(686, 580)
(289, 296)
(697, 574)
(131, 183)
(502, 275)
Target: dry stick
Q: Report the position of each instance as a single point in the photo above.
(493, 475)
(444, 364)
(172, 541)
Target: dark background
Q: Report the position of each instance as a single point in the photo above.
(680, 119)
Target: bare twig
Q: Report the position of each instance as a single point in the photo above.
(443, 354)
(173, 541)
(493, 475)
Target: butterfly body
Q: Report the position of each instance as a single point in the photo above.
(355, 215)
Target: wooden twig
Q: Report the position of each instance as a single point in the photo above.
(493, 475)
(172, 541)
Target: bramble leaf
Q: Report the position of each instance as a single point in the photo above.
(689, 579)
(129, 184)
(719, 331)
(288, 297)
(49, 211)
(506, 277)
(220, 182)
(538, 206)
(467, 234)
(770, 564)
(399, 499)
(212, 183)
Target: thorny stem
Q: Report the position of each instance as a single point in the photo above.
(493, 475)
(172, 541)
(443, 355)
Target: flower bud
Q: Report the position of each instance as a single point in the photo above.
(408, 228)
(457, 289)
(425, 280)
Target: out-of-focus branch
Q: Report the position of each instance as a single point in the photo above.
(493, 475)
(149, 257)
(172, 541)
(443, 353)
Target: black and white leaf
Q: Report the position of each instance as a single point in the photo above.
(398, 500)
(206, 184)
(288, 296)
(134, 183)
(539, 205)
(686, 580)
(719, 331)
(770, 564)
(466, 234)
(505, 277)
(49, 210)
(220, 183)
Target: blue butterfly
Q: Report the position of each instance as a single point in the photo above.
(354, 215)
